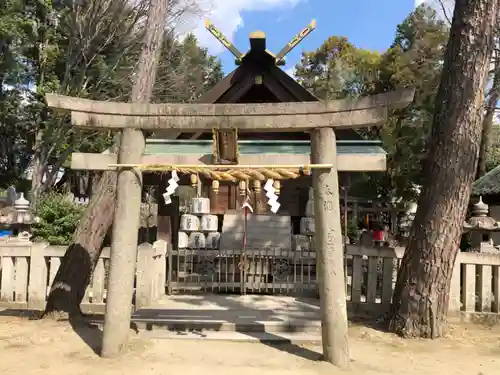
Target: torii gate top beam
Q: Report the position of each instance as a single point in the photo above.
(338, 114)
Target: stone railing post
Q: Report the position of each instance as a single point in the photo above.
(160, 247)
(37, 288)
(455, 303)
(14, 265)
(144, 275)
(151, 273)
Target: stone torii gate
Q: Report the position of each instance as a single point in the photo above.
(318, 118)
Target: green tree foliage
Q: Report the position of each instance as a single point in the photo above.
(186, 71)
(56, 47)
(414, 60)
(87, 49)
(493, 156)
(338, 69)
(58, 218)
(14, 147)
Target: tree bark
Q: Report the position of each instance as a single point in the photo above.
(82, 255)
(489, 116)
(80, 259)
(37, 171)
(421, 295)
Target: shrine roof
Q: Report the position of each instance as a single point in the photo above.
(489, 184)
(249, 147)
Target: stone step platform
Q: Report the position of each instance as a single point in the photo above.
(230, 313)
(262, 337)
(213, 325)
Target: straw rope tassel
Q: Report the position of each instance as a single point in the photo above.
(234, 175)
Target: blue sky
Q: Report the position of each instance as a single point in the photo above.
(366, 23)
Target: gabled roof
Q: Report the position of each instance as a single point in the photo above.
(259, 65)
(240, 81)
(261, 147)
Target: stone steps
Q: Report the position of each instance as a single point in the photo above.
(262, 337)
(230, 317)
(147, 322)
(212, 325)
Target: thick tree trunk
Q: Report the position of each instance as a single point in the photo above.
(491, 105)
(420, 301)
(81, 257)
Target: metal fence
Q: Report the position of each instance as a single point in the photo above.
(266, 271)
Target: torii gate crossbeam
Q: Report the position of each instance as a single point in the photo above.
(337, 114)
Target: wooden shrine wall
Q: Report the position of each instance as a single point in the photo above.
(293, 198)
(293, 195)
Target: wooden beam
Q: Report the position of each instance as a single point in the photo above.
(171, 134)
(345, 162)
(196, 135)
(212, 95)
(346, 113)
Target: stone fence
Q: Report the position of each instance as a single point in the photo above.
(475, 284)
(27, 270)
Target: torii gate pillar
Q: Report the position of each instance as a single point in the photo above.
(329, 249)
(126, 222)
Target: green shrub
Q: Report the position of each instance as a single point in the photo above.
(58, 218)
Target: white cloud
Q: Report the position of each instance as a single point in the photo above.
(227, 16)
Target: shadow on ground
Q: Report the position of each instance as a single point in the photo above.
(214, 312)
(86, 327)
(90, 333)
(246, 320)
(248, 315)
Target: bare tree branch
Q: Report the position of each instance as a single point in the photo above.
(445, 11)
(92, 27)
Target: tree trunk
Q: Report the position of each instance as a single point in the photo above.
(420, 302)
(73, 276)
(82, 255)
(37, 171)
(491, 105)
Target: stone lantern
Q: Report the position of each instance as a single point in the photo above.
(480, 226)
(18, 219)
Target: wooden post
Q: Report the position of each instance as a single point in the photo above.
(123, 245)
(329, 249)
(163, 222)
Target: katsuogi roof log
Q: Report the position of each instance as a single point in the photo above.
(345, 113)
